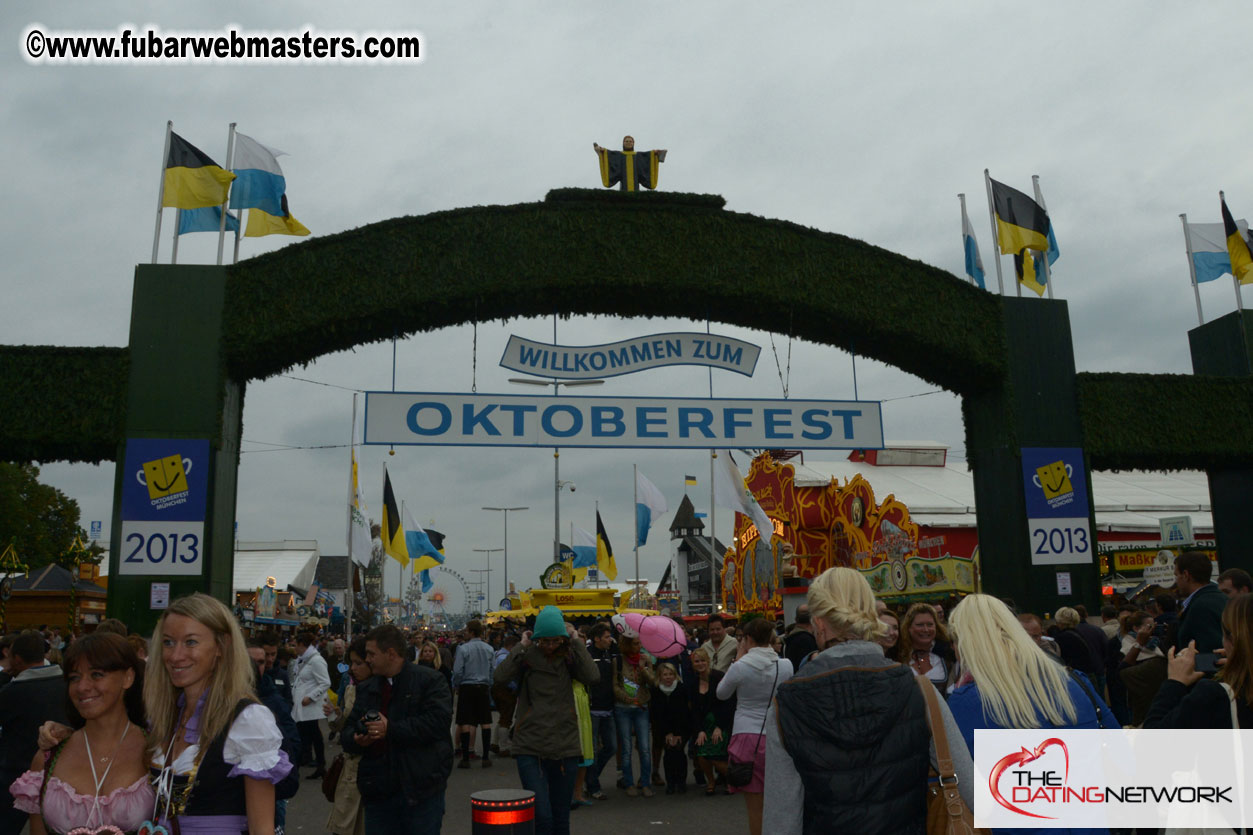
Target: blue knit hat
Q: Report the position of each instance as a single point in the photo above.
(549, 623)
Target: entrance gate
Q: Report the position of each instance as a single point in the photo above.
(200, 333)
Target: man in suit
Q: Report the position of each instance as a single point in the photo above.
(1201, 604)
(308, 687)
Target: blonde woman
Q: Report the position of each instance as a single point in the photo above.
(924, 647)
(1014, 683)
(848, 742)
(216, 754)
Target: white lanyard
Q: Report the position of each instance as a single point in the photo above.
(99, 781)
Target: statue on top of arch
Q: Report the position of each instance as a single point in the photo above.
(629, 168)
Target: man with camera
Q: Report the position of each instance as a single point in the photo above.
(399, 724)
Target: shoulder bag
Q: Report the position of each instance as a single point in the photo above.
(740, 772)
(947, 813)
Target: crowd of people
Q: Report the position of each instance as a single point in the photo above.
(858, 716)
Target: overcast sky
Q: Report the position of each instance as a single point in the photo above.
(865, 119)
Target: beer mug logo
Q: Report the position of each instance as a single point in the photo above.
(164, 477)
(1054, 479)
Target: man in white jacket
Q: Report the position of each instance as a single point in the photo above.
(309, 686)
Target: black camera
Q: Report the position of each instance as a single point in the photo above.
(370, 716)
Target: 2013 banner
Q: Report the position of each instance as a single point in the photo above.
(439, 418)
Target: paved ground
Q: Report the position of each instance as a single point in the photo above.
(693, 811)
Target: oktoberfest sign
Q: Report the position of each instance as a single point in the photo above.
(443, 419)
(570, 362)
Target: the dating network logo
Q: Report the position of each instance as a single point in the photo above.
(1028, 786)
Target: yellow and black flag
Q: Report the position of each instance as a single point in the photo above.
(1237, 248)
(629, 169)
(192, 180)
(604, 552)
(393, 530)
(1021, 223)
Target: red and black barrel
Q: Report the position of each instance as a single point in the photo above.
(503, 812)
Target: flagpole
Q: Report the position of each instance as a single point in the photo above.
(1196, 288)
(400, 578)
(178, 220)
(962, 198)
(230, 156)
(165, 157)
(713, 547)
(996, 247)
(352, 439)
(635, 470)
(238, 235)
(1222, 200)
(1039, 198)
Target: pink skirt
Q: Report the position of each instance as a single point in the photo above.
(744, 747)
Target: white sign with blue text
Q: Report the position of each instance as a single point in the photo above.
(583, 362)
(164, 495)
(1057, 505)
(437, 418)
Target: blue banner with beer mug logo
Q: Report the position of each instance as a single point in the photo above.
(165, 479)
(1055, 485)
(165, 487)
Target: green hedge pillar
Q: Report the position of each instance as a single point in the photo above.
(1224, 348)
(179, 391)
(1035, 406)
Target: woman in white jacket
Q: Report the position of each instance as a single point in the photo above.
(309, 686)
(757, 671)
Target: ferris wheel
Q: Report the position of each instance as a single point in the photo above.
(449, 599)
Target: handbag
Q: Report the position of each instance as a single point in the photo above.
(947, 813)
(330, 780)
(740, 772)
(1096, 704)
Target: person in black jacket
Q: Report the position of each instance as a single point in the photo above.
(406, 752)
(800, 643)
(35, 695)
(670, 714)
(600, 698)
(1201, 604)
(1189, 700)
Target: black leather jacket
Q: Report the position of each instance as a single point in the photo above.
(416, 757)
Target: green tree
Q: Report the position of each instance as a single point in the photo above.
(40, 520)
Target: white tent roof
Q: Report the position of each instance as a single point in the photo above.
(945, 496)
(291, 562)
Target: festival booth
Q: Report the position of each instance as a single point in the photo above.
(52, 596)
(829, 523)
(905, 516)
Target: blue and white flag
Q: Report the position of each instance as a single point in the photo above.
(974, 264)
(584, 546)
(1208, 242)
(208, 219)
(1053, 254)
(424, 551)
(731, 490)
(650, 504)
(259, 181)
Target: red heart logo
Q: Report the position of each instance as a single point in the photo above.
(1023, 757)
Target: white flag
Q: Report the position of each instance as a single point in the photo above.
(360, 546)
(730, 490)
(650, 504)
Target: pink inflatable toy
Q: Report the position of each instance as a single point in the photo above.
(662, 636)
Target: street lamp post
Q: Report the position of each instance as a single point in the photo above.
(558, 484)
(488, 571)
(506, 510)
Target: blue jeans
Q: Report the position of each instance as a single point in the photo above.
(394, 816)
(605, 743)
(634, 719)
(553, 784)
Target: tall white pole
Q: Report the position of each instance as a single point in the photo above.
(230, 161)
(1222, 199)
(635, 534)
(178, 221)
(352, 440)
(1196, 288)
(996, 244)
(556, 503)
(1039, 198)
(165, 156)
(713, 539)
